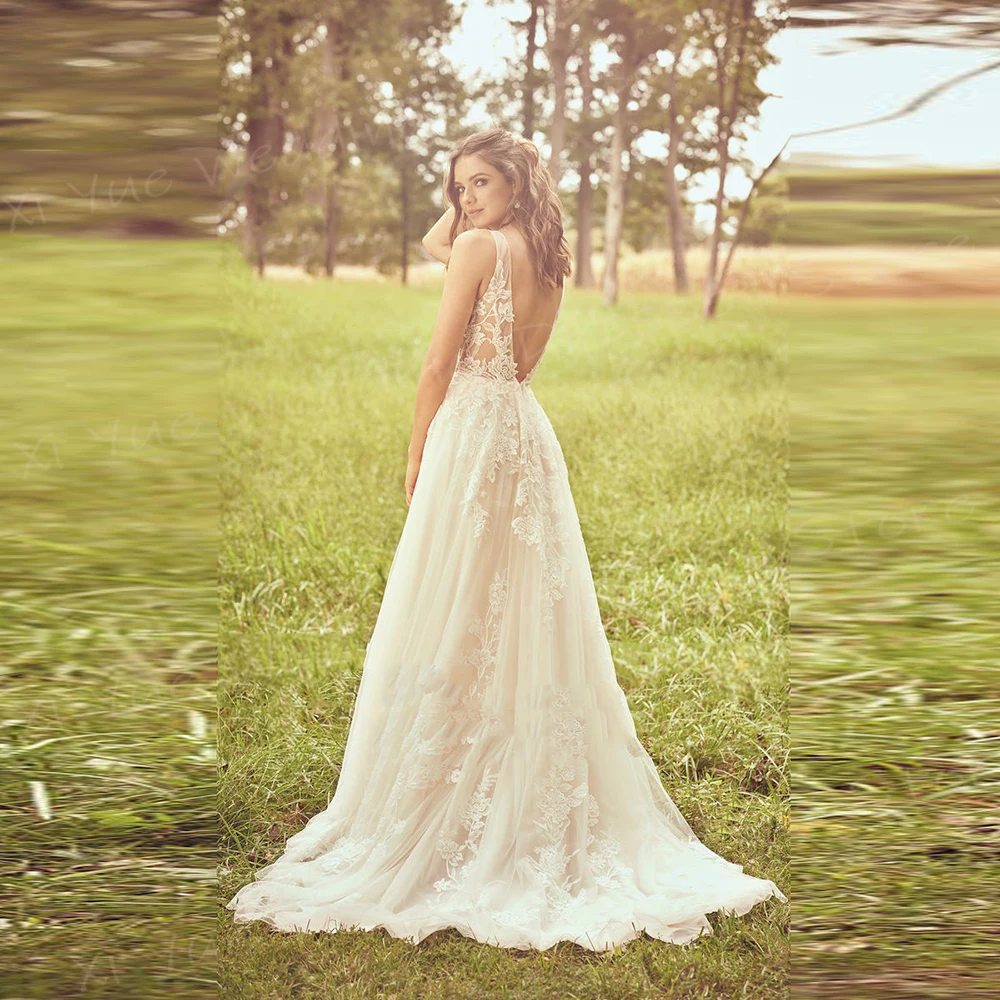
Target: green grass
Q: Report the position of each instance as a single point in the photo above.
(107, 584)
(893, 579)
(675, 439)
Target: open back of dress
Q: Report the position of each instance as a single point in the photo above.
(492, 346)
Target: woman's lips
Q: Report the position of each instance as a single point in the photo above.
(476, 212)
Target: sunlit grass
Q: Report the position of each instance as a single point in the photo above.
(107, 565)
(894, 576)
(674, 435)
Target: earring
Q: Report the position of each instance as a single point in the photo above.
(517, 204)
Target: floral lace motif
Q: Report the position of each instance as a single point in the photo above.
(506, 432)
(487, 630)
(507, 439)
(347, 851)
(603, 856)
(428, 754)
(492, 323)
(459, 864)
(564, 789)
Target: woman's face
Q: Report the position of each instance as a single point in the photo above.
(484, 194)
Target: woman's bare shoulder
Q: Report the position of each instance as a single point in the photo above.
(473, 248)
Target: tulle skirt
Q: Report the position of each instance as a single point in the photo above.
(492, 780)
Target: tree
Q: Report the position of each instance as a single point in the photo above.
(560, 42)
(897, 22)
(584, 154)
(636, 34)
(258, 37)
(420, 91)
(736, 33)
(530, 79)
(677, 218)
(356, 36)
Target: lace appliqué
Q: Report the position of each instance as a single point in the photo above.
(458, 863)
(564, 789)
(504, 438)
(458, 858)
(487, 630)
(444, 723)
(347, 851)
(603, 853)
(504, 432)
(539, 524)
(492, 437)
(430, 753)
(492, 322)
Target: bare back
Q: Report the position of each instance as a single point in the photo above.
(535, 308)
(513, 318)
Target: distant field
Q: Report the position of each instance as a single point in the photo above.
(889, 206)
(933, 269)
(972, 187)
(847, 223)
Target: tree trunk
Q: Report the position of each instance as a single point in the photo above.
(255, 191)
(728, 106)
(558, 56)
(404, 211)
(585, 195)
(675, 210)
(331, 214)
(266, 128)
(615, 212)
(529, 72)
(327, 144)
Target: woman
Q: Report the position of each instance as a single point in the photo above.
(492, 779)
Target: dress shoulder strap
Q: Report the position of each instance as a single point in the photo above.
(503, 254)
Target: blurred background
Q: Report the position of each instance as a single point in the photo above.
(786, 216)
(110, 322)
(875, 112)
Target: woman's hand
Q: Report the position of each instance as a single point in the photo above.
(412, 468)
(436, 241)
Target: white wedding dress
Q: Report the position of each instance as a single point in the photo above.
(492, 779)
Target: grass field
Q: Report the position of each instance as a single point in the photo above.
(894, 572)
(108, 591)
(675, 438)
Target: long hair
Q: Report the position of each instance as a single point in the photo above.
(534, 205)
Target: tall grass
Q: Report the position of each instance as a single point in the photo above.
(107, 585)
(675, 439)
(896, 748)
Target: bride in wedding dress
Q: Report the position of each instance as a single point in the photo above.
(492, 779)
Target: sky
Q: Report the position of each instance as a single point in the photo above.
(814, 89)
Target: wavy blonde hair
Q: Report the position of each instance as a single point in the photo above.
(534, 205)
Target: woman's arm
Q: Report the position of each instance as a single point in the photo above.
(473, 254)
(436, 241)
